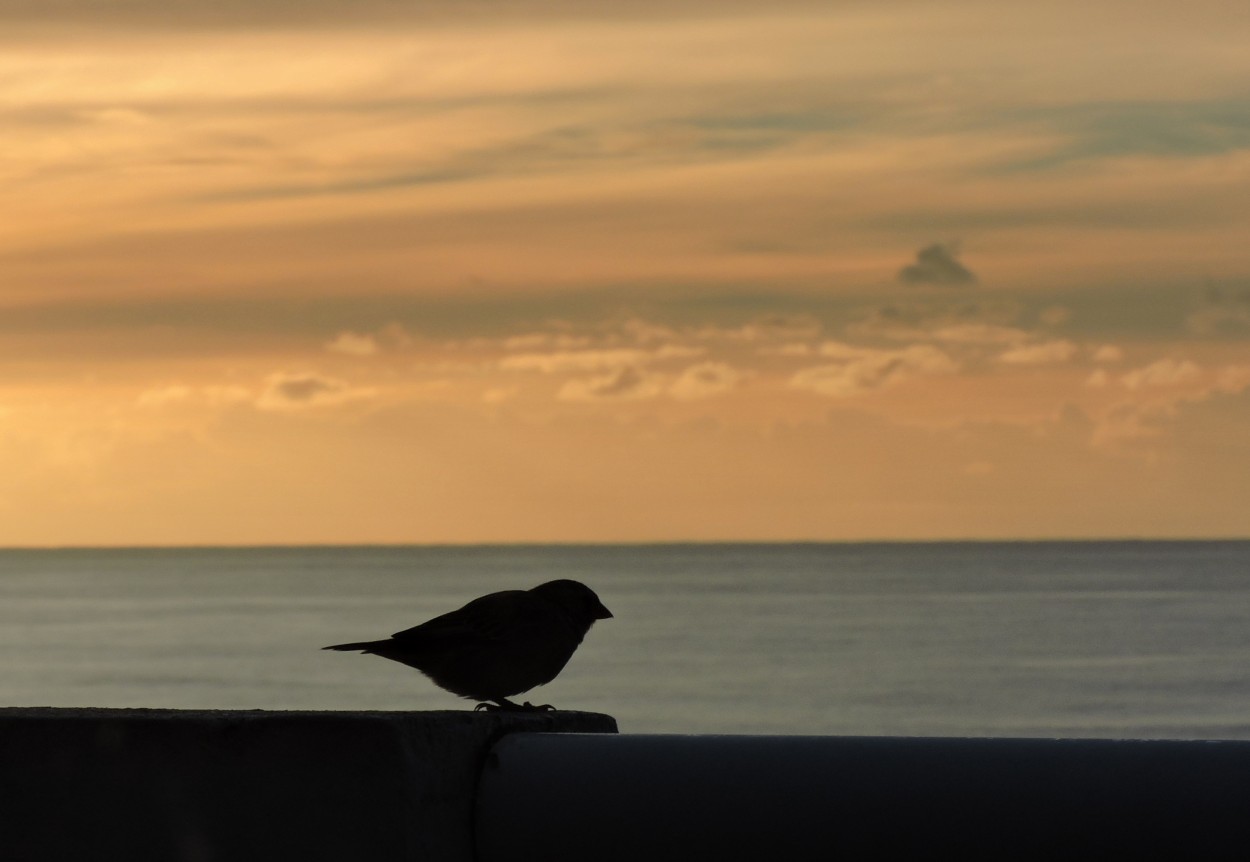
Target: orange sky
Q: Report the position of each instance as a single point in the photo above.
(280, 272)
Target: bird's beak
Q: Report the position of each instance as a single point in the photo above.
(602, 613)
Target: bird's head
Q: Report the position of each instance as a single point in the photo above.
(575, 598)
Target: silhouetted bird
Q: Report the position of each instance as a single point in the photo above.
(499, 645)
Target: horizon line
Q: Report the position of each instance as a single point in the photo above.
(641, 543)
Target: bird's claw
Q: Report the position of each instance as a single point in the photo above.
(508, 706)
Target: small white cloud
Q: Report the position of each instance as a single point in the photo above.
(1125, 423)
(1108, 353)
(596, 360)
(833, 380)
(1233, 378)
(1165, 372)
(1099, 379)
(978, 333)
(1046, 353)
(575, 360)
(678, 351)
(863, 369)
(799, 350)
(629, 383)
(972, 325)
(393, 336)
(704, 380)
(768, 328)
(530, 341)
(540, 340)
(353, 344)
(842, 350)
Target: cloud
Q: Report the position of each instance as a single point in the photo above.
(1099, 379)
(537, 340)
(304, 387)
(227, 394)
(1040, 354)
(1227, 313)
(1108, 353)
(353, 344)
(393, 336)
(628, 383)
(165, 396)
(1164, 372)
(162, 395)
(766, 328)
(1127, 423)
(964, 323)
(595, 360)
(1175, 387)
(575, 360)
(859, 369)
(499, 394)
(644, 331)
(798, 349)
(936, 264)
(1233, 378)
(704, 380)
(298, 390)
(978, 333)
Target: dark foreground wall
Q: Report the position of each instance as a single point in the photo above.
(232, 786)
(179, 786)
(727, 798)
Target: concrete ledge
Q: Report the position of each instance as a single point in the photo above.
(201, 786)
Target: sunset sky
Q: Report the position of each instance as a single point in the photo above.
(294, 271)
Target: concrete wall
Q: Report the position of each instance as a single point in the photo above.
(569, 798)
(185, 786)
(203, 786)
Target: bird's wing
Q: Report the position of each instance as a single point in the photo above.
(497, 616)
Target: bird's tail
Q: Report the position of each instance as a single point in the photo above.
(362, 646)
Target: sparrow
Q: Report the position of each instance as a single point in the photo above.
(499, 645)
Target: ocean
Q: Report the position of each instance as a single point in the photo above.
(1134, 639)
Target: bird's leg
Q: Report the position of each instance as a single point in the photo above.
(502, 704)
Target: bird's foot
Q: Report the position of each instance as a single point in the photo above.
(504, 705)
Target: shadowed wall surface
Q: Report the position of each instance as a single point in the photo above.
(190, 785)
(817, 797)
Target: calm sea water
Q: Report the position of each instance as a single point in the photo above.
(1120, 639)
